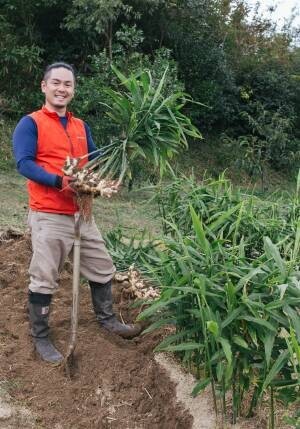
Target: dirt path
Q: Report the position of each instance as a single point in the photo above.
(200, 408)
(117, 383)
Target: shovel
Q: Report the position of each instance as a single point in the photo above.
(69, 358)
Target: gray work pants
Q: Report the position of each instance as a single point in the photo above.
(52, 238)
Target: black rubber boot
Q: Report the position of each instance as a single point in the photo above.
(38, 307)
(103, 307)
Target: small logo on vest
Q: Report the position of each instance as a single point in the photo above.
(81, 137)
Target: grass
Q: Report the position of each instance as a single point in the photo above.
(13, 201)
(130, 210)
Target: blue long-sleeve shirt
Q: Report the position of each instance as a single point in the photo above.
(25, 148)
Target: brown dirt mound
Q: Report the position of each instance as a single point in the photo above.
(117, 383)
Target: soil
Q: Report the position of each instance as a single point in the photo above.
(116, 383)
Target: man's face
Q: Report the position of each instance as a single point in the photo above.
(58, 89)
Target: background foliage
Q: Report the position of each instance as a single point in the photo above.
(223, 54)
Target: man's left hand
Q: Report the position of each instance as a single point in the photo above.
(65, 183)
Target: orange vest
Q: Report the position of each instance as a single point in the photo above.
(54, 144)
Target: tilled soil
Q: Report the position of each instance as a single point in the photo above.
(116, 383)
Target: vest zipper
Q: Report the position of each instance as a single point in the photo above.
(71, 144)
(69, 138)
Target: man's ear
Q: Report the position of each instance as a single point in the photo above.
(43, 86)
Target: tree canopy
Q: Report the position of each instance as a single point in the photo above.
(225, 55)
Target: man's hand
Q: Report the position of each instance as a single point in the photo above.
(65, 182)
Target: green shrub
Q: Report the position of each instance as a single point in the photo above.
(244, 216)
(6, 156)
(269, 141)
(127, 248)
(235, 309)
(150, 127)
(91, 91)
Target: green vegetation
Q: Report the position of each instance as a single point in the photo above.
(13, 201)
(271, 142)
(6, 159)
(241, 69)
(231, 291)
(228, 211)
(151, 128)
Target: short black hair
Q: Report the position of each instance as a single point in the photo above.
(57, 66)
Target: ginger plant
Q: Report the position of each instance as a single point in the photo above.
(152, 128)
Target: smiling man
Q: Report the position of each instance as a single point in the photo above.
(58, 86)
(41, 142)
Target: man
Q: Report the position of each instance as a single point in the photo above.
(41, 143)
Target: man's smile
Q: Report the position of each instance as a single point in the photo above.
(58, 90)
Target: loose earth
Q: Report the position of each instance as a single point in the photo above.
(115, 383)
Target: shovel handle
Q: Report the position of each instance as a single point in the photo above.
(75, 287)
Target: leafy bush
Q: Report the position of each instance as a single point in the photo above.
(91, 91)
(227, 211)
(151, 127)
(236, 313)
(6, 156)
(127, 248)
(269, 141)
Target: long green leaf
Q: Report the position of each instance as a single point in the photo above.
(273, 252)
(223, 217)
(157, 306)
(226, 348)
(237, 339)
(180, 347)
(200, 386)
(275, 369)
(296, 250)
(198, 227)
(159, 88)
(260, 322)
(268, 344)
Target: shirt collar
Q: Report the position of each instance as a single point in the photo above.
(54, 114)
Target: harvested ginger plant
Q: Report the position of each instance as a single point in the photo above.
(88, 184)
(136, 287)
